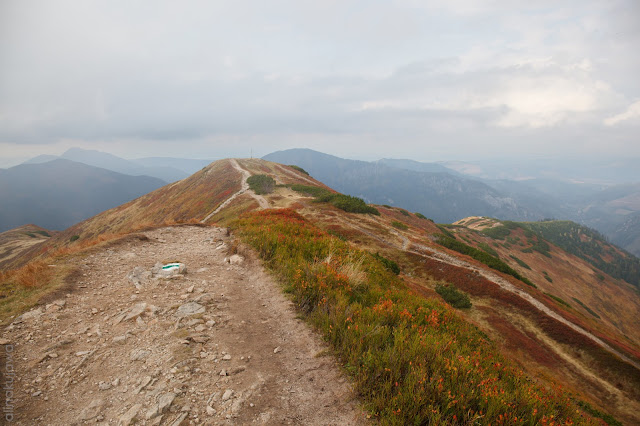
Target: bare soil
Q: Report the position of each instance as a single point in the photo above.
(217, 345)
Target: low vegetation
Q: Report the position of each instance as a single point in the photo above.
(588, 309)
(399, 225)
(482, 256)
(453, 296)
(261, 184)
(388, 263)
(298, 168)
(344, 202)
(413, 360)
(520, 262)
(558, 299)
(497, 232)
(486, 247)
(420, 216)
(588, 244)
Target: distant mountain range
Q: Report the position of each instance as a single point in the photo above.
(443, 197)
(60, 193)
(446, 195)
(165, 168)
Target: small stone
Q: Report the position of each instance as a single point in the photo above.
(227, 357)
(190, 289)
(191, 308)
(143, 384)
(227, 395)
(94, 311)
(276, 350)
(82, 353)
(52, 355)
(136, 311)
(165, 401)
(116, 382)
(223, 373)
(139, 355)
(103, 386)
(128, 418)
(200, 328)
(211, 411)
(93, 410)
(4, 341)
(36, 393)
(121, 340)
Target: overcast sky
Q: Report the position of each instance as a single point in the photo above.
(427, 80)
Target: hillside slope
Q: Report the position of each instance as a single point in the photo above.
(340, 268)
(15, 242)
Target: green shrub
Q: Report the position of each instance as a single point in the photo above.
(404, 212)
(453, 296)
(520, 262)
(74, 238)
(559, 300)
(388, 263)
(488, 249)
(261, 184)
(399, 225)
(497, 232)
(420, 216)
(298, 168)
(344, 202)
(352, 204)
(445, 231)
(547, 277)
(588, 309)
(30, 234)
(483, 257)
(43, 233)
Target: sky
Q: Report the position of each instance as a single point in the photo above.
(420, 79)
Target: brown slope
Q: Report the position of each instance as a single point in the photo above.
(15, 242)
(188, 200)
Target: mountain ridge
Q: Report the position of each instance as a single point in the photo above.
(545, 347)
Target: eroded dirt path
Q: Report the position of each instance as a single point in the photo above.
(218, 345)
(264, 204)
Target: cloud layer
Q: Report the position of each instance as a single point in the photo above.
(430, 80)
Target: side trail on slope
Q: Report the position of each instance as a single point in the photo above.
(217, 345)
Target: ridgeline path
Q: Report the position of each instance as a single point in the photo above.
(218, 345)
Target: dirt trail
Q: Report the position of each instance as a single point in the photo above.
(264, 204)
(217, 345)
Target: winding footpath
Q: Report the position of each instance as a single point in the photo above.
(264, 204)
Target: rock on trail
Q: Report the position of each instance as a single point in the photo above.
(133, 345)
